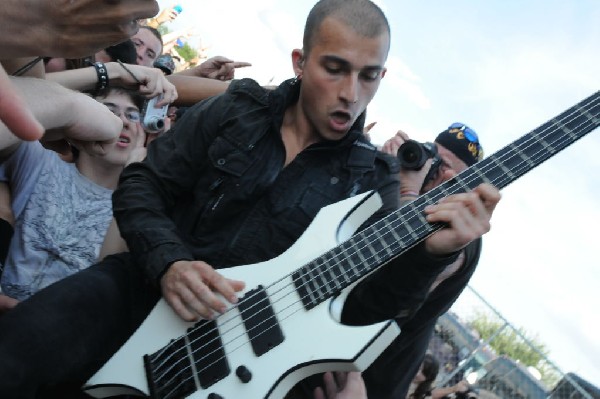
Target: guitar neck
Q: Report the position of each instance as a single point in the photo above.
(403, 229)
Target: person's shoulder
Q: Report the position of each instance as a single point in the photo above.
(249, 87)
(29, 154)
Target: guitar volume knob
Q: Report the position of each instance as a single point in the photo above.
(243, 374)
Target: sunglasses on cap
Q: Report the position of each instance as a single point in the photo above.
(467, 132)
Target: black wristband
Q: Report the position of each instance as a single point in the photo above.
(102, 76)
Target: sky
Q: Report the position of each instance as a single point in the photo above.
(503, 67)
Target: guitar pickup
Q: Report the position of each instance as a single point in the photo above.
(260, 321)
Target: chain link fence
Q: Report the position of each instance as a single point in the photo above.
(465, 355)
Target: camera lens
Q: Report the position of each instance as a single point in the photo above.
(412, 155)
(155, 124)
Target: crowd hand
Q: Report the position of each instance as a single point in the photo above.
(367, 130)
(139, 151)
(150, 82)
(78, 28)
(86, 120)
(170, 38)
(7, 303)
(15, 113)
(411, 181)
(344, 385)
(167, 15)
(462, 386)
(467, 217)
(195, 290)
(220, 68)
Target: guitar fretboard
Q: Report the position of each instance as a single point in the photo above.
(405, 228)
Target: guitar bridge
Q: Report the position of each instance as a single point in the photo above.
(197, 358)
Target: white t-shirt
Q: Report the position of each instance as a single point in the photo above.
(61, 218)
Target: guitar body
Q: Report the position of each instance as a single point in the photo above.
(284, 327)
(313, 340)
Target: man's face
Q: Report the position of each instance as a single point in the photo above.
(340, 76)
(147, 46)
(132, 134)
(451, 165)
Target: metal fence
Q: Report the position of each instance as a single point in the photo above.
(464, 355)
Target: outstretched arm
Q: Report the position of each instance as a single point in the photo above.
(219, 67)
(192, 89)
(15, 115)
(150, 82)
(439, 393)
(62, 113)
(68, 28)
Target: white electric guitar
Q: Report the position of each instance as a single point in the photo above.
(285, 326)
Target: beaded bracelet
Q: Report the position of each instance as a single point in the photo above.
(102, 76)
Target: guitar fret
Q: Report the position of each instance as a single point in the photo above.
(334, 279)
(384, 245)
(518, 151)
(311, 286)
(341, 265)
(304, 287)
(397, 239)
(373, 252)
(586, 112)
(543, 142)
(319, 284)
(566, 129)
(439, 189)
(352, 269)
(363, 260)
(353, 266)
(505, 170)
(462, 184)
(422, 218)
(407, 225)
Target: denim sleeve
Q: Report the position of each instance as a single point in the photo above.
(149, 190)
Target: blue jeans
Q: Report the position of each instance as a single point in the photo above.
(63, 334)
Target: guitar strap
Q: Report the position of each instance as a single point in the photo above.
(361, 160)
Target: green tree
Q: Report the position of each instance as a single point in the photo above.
(163, 29)
(187, 52)
(516, 344)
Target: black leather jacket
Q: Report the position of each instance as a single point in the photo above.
(215, 187)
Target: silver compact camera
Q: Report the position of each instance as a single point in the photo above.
(154, 118)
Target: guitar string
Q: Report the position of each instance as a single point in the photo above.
(324, 285)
